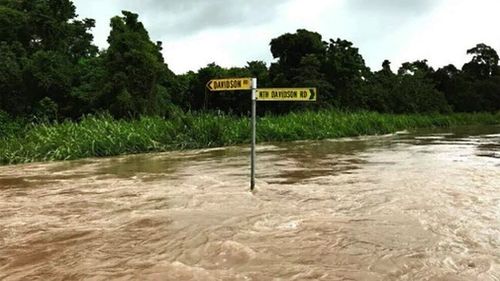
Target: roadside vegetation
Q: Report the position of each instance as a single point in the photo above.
(106, 136)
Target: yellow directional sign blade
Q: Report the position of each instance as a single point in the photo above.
(287, 94)
(230, 84)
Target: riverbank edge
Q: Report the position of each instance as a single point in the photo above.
(102, 136)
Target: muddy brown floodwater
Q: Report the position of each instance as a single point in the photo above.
(419, 206)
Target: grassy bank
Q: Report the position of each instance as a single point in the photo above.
(103, 136)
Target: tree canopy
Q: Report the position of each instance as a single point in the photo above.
(50, 69)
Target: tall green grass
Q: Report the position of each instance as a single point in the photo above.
(104, 136)
(9, 126)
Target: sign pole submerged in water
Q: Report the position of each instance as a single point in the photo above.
(272, 94)
(254, 132)
(238, 84)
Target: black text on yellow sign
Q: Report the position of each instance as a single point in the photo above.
(230, 84)
(287, 94)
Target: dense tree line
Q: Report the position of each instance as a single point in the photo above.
(50, 69)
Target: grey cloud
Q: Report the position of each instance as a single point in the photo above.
(373, 19)
(393, 7)
(185, 17)
(374, 24)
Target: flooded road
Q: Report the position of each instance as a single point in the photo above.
(421, 206)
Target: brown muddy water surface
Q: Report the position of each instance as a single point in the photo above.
(420, 206)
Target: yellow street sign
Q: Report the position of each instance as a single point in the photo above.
(287, 94)
(230, 84)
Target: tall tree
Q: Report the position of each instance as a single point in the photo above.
(415, 90)
(484, 63)
(134, 67)
(379, 88)
(48, 41)
(13, 98)
(479, 85)
(345, 69)
(290, 49)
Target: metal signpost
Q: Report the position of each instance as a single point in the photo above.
(254, 133)
(272, 94)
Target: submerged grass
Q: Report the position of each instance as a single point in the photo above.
(104, 136)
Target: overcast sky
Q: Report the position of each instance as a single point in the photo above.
(232, 32)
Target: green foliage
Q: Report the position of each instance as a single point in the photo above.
(345, 70)
(484, 62)
(414, 94)
(47, 110)
(12, 97)
(105, 136)
(133, 66)
(49, 75)
(13, 25)
(259, 70)
(290, 49)
(344, 81)
(51, 71)
(476, 87)
(89, 79)
(301, 56)
(411, 91)
(41, 42)
(10, 127)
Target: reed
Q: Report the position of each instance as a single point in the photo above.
(99, 136)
